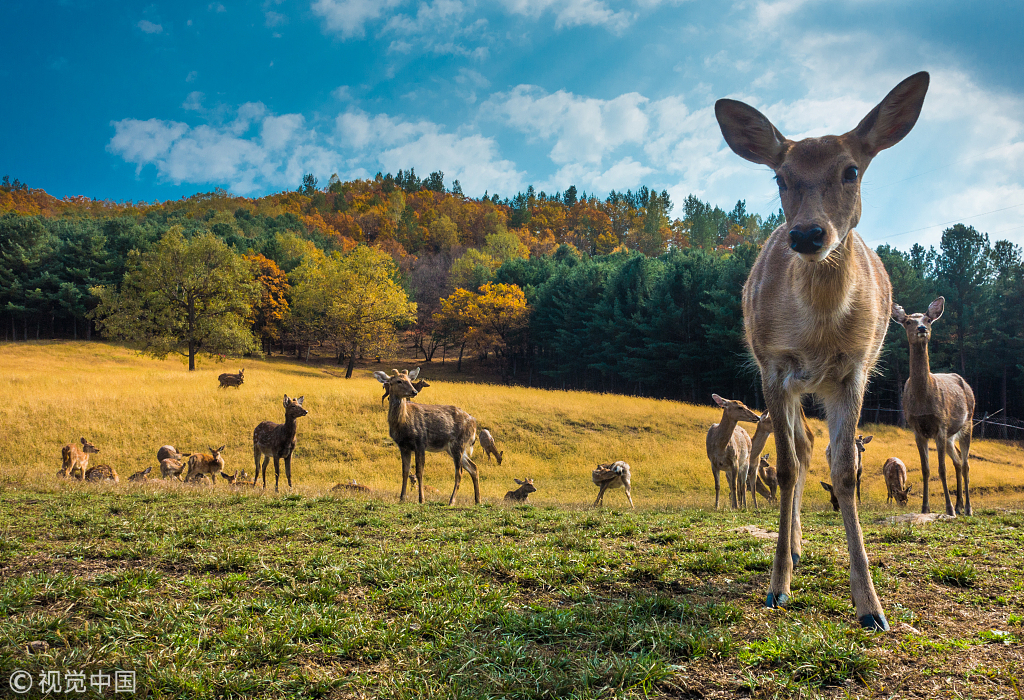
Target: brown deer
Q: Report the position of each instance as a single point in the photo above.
(277, 440)
(757, 443)
(612, 476)
(168, 452)
(101, 472)
(141, 476)
(227, 379)
(895, 473)
(210, 464)
(862, 440)
(728, 448)
(815, 309)
(419, 429)
(171, 468)
(938, 407)
(239, 478)
(74, 457)
(767, 481)
(521, 494)
(490, 448)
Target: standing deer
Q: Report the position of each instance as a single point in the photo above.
(227, 379)
(862, 440)
(938, 407)
(277, 440)
(419, 429)
(612, 476)
(490, 448)
(895, 473)
(211, 465)
(728, 448)
(74, 457)
(815, 310)
(757, 443)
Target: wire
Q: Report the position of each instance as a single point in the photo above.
(946, 223)
(941, 167)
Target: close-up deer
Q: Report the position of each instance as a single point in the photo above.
(815, 310)
(894, 471)
(938, 407)
(74, 458)
(209, 464)
(418, 429)
(277, 440)
(613, 476)
(728, 446)
(227, 379)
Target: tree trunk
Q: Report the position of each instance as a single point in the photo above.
(1002, 428)
(351, 363)
(191, 334)
(458, 367)
(191, 356)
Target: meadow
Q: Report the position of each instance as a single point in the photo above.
(212, 592)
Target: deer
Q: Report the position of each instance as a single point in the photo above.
(227, 379)
(815, 310)
(861, 441)
(728, 448)
(277, 440)
(74, 457)
(757, 443)
(168, 452)
(895, 473)
(210, 464)
(171, 468)
(767, 481)
(612, 476)
(413, 481)
(418, 429)
(141, 476)
(238, 479)
(521, 494)
(352, 486)
(490, 448)
(938, 407)
(101, 472)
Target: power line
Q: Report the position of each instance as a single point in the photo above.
(946, 223)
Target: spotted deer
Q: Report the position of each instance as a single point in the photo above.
(861, 442)
(277, 440)
(227, 379)
(728, 447)
(102, 472)
(521, 494)
(141, 476)
(209, 464)
(74, 457)
(894, 471)
(815, 310)
(418, 429)
(757, 443)
(938, 407)
(352, 486)
(490, 448)
(613, 476)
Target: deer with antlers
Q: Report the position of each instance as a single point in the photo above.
(418, 429)
(938, 407)
(728, 447)
(816, 308)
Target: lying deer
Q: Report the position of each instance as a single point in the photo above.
(757, 443)
(895, 473)
(612, 476)
(141, 476)
(277, 440)
(521, 494)
(228, 379)
(74, 457)
(419, 429)
(766, 480)
(938, 407)
(210, 464)
(101, 472)
(239, 478)
(487, 442)
(815, 310)
(728, 448)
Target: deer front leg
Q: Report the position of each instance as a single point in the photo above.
(421, 458)
(940, 449)
(784, 409)
(277, 472)
(730, 474)
(288, 469)
(718, 487)
(965, 466)
(957, 466)
(803, 442)
(752, 484)
(406, 466)
(926, 472)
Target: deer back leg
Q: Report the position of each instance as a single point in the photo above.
(458, 479)
(266, 463)
(629, 496)
(604, 487)
(421, 458)
(718, 486)
(785, 411)
(470, 466)
(965, 465)
(926, 472)
(277, 471)
(940, 449)
(406, 465)
(256, 454)
(730, 476)
(752, 484)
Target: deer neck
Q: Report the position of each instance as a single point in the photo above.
(920, 367)
(757, 444)
(398, 410)
(290, 426)
(828, 285)
(723, 433)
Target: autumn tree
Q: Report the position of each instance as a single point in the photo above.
(270, 309)
(499, 319)
(454, 322)
(183, 296)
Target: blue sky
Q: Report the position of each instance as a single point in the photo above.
(133, 101)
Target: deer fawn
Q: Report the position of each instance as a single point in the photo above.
(101, 472)
(74, 457)
(729, 449)
(938, 407)
(767, 481)
(420, 429)
(487, 442)
(211, 464)
(239, 478)
(895, 473)
(521, 494)
(816, 307)
(141, 476)
(757, 443)
(861, 441)
(612, 476)
(277, 440)
(228, 379)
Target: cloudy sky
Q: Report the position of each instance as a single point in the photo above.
(130, 101)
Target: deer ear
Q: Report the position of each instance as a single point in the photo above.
(415, 373)
(827, 487)
(868, 439)
(286, 400)
(84, 441)
(518, 481)
(221, 448)
(299, 400)
(719, 400)
(894, 117)
(935, 308)
(381, 377)
(898, 314)
(749, 133)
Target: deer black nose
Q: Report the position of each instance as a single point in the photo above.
(809, 241)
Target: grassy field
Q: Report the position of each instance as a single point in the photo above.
(220, 593)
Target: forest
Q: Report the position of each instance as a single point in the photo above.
(561, 290)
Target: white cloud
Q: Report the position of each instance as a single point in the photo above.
(348, 18)
(191, 77)
(274, 19)
(194, 101)
(149, 27)
(342, 93)
(572, 13)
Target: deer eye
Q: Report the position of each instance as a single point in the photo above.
(850, 174)
(781, 183)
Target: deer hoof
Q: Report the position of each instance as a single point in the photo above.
(796, 559)
(776, 600)
(874, 622)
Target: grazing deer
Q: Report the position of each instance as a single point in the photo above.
(239, 478)
(767, 481)
(757, 443)
(277, 440)
(895, 473)
(101, 472)
(521, 494)
(420, 429)
(815, 309)
(938, 407)
(228, 379)
(168, 452)
(487, 442)
(74, 457)
(862, 440)
(211, 464)
(729, 449)
(612, 476)
(171, 468)
(141, 476)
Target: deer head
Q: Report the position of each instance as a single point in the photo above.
(399, 383)
(89, 447)
(293, 407)
(736, 410)
(819, 178)
(919, 326)
(902, 496)
(526, 486)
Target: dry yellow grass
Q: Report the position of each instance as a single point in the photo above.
(129, 405)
